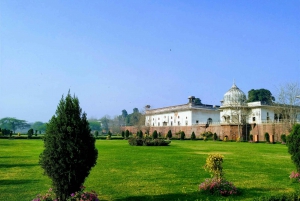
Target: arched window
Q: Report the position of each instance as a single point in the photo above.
(209, 121)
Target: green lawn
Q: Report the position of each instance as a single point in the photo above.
(174, 172)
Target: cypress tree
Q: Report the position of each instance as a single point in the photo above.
(70, 151)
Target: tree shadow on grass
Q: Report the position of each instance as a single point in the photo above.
(176, 197)
(17, 181)
(17, 165)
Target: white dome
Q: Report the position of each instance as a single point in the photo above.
(234, 96)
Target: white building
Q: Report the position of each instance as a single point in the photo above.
(189, 114)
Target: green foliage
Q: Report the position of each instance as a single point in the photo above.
(207, 135)
(193, 136)
(283, 138)
(123, 134)
(30, 133)
(293, 143)
(70, 151)
(169, 134)
(213, 165)
(263, 95)
(5, 131)
(154, 134)
(182, 135)
(267, 137)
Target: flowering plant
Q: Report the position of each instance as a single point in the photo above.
(218, 187)
(49, 196)
(295, 176)
(77, 196)
(83, 196)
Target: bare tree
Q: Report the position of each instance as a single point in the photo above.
(288, 105)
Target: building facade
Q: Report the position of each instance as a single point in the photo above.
(235, 118)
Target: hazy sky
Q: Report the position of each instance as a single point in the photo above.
(116, 55)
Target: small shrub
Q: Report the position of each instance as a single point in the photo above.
(182, 135)
(123, 134)
(193, 136)
(215, 136)
(225, 138)
(267, 137)
(140, 134)
(283, 139)
(148, 142)
(154, 134)
(213, 165)
(251, 138)
(169, 134)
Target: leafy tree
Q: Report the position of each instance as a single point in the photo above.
(30, 133)
(169, 134)
(262, 95)
(13, 124)
(293, 143)
(193, 136)
(154, 134)
(105, 123)
(70, 151)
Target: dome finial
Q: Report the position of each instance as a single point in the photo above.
(234, 86)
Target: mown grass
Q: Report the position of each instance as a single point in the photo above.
(174, 172)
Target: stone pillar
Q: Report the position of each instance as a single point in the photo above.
(272, 139)
(256, 138)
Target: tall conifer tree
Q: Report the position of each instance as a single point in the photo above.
(70, 151)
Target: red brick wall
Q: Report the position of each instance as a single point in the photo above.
(221, 130)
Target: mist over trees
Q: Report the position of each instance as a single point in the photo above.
(13, 124)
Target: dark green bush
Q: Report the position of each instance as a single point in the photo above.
(154, 134)
(251, 137)
(134, 141)
(123, 134)
(293, 143)
(193, 136)
(169, 134)
(126, 134)
(215, 136)
(283, 138)
(139, 134)
(267, 137)
(182, 135)
(30, 133)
